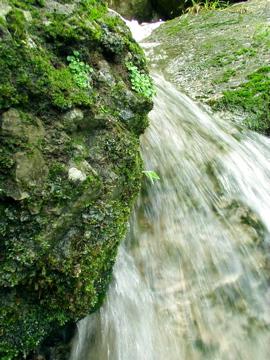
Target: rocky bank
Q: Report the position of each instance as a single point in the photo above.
(220, 57)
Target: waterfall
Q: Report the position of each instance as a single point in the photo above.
(191, 281)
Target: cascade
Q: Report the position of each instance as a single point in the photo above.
(190, 281)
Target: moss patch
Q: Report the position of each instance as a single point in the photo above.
(253, 96)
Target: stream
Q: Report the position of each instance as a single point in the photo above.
(190, 281)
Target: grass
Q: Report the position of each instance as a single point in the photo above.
(208, 5)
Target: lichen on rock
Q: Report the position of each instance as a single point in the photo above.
(70, 163)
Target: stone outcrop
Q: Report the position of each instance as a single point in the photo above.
(221, 58)
(70, 163)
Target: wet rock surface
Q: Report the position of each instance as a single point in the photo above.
(220, 58)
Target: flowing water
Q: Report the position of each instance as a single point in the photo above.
(191, 281)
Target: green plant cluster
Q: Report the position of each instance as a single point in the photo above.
(80, 70)
(141, 83)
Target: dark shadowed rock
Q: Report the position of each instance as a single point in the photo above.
(133, 9)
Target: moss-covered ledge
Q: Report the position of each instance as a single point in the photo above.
(70, 166)
(220, 57)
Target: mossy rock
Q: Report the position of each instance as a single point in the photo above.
(70, 162)
(220, 57)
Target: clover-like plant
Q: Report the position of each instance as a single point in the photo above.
(140, 82)
(80, 70)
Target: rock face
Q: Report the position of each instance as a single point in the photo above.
(70, 164)
(145, 10)
(168, 9)
(133, 9)
(221, 58)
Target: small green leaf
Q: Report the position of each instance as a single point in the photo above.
(151, 175)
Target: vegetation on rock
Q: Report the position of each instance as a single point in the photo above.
(202, 54)
(253, 96)
(141, 83)
(70, 163)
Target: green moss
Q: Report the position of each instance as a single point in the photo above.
(261, 36)
(225, 77)
(253, 96)
(174, 26)
(74, 30)
(26, 4)
(59, 236)
(223, 59)
(216, 24)
(72, 261)
(94, 9)
(37, 79)
(16, 24)
(203, 56)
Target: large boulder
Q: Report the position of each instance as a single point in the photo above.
(220, 58)
(70, 119)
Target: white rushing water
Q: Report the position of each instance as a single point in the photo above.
(191, 280)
